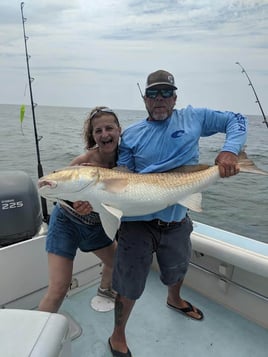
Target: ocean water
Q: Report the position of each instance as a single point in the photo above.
(238, 204)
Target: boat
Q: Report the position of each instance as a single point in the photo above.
(227, 279)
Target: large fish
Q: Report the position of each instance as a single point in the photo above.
(114, 194)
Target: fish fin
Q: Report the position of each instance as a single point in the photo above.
(115, 185)
(110, 219)
(192, 202)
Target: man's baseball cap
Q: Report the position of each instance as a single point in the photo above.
(160, 77)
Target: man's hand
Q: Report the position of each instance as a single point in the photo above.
(228, 164)
(82, 207)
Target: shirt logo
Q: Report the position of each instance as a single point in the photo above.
(177, 133)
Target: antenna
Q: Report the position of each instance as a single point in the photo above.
(33, 105)
(150, 115)
(138, 84)
(257, 99)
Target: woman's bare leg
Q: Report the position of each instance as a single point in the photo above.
(60, 275)
(107, 257)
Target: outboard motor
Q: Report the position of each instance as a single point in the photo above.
(20, 208)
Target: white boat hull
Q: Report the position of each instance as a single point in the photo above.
(229, 269)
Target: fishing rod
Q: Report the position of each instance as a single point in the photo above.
(150, 115)
(33, 105)
(138, 84)
(251, 85)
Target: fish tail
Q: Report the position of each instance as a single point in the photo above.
(247, 165)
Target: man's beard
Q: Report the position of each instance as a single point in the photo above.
(159, 117)
(158, 114)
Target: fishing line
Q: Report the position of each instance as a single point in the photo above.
(25, 89)
(33, 105)
(251, 85)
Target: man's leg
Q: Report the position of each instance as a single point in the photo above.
(123, 308)
(132, 265)
(173, 253)
(174, 299)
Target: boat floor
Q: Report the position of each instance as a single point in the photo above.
(157, 331)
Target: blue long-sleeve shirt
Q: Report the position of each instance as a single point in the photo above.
(159, 146)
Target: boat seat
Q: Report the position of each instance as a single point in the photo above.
(27, 333)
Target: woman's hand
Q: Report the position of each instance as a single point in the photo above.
(82, 207)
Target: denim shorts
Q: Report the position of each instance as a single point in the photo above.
(66, 234)
(137, 241)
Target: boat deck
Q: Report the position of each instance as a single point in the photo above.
(154, 330)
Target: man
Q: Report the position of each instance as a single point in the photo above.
(168, 138)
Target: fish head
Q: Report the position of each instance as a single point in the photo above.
(67, 183)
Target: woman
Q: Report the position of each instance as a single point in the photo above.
(69, 229)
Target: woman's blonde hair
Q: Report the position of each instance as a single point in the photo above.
(96, 112)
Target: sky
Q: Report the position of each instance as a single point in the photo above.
(85, 53)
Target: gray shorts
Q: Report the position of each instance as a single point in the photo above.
(137, 241)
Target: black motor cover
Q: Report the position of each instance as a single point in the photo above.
(20, 208)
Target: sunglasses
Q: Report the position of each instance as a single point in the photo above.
(153, 93)
(103, 110)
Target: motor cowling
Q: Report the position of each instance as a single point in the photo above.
(20, 208)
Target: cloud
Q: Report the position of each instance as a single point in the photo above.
(103, 48)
